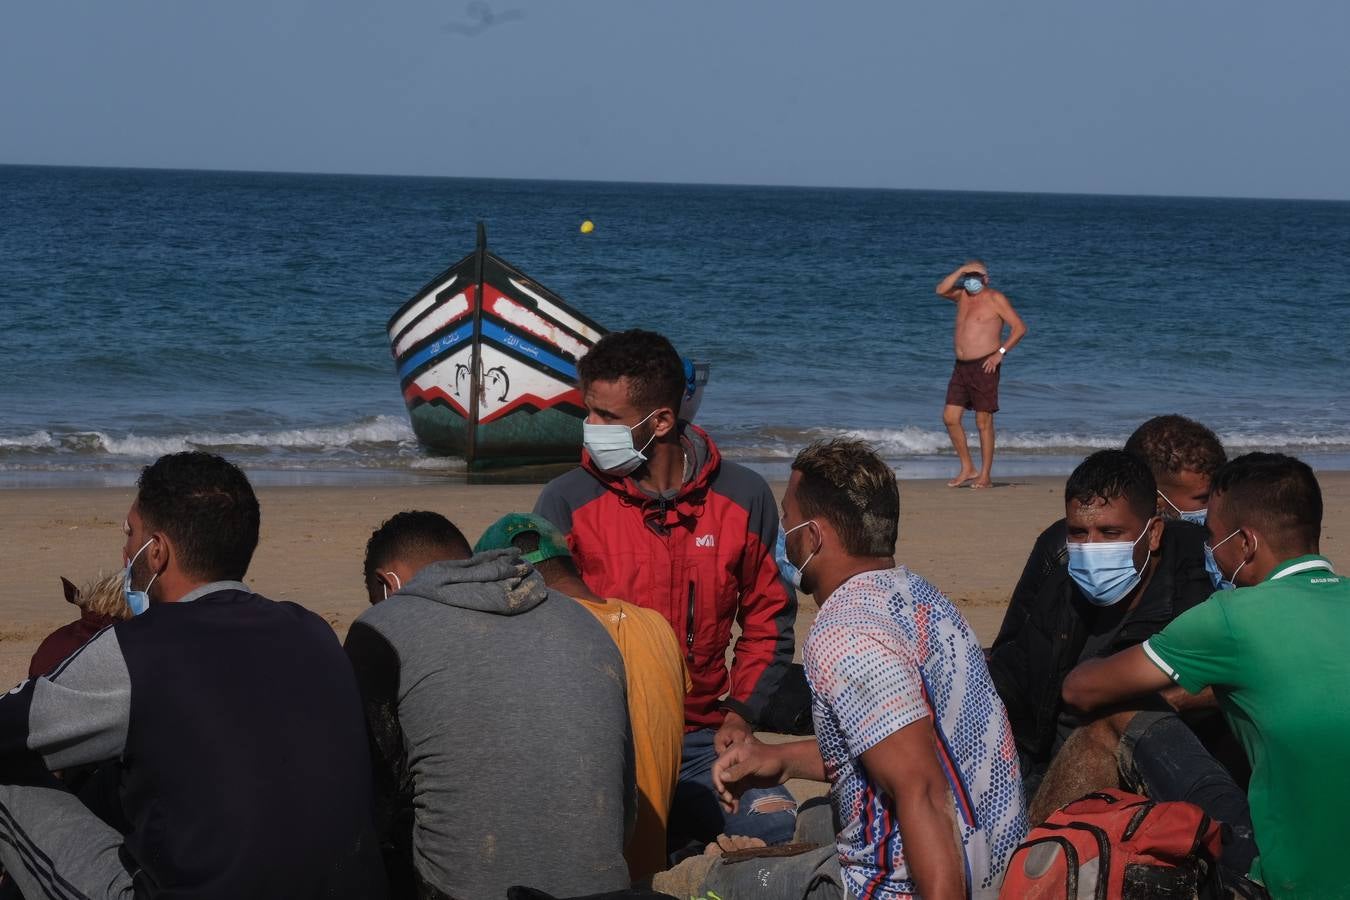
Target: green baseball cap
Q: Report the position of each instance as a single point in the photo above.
(502, 532)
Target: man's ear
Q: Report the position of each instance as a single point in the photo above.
(389, 582)
(158, 554)
(1252, 538)
(664, 421)
(72, 592)
(1155, 533)
(825, 533)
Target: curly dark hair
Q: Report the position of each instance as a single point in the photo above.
(207, 508)
(846, 483)
(1172, 444)
(415, 534)
(648, 360)
(1279, 494)
(1111, 474)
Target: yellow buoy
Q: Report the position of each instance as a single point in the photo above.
(587, 227)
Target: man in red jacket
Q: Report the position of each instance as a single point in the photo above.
(655, 516)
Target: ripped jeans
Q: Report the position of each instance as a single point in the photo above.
(697, 817)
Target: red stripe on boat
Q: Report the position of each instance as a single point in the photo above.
(573, 396)
(426, 395)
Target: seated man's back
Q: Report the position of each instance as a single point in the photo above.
(238, 726)
(655, 674)
(509, 703)
(245, 762)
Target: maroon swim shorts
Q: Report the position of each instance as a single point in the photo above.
(972, 388)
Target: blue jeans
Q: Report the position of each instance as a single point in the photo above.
(695, 814)
(1162, 758)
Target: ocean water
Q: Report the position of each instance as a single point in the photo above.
(146, 311)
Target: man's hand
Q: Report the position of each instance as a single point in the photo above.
(747, 764)
(734, 730)
(975, 267)
(992, 362)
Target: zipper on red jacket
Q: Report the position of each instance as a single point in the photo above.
(689, 627)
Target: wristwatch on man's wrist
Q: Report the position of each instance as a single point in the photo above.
(1002, 351)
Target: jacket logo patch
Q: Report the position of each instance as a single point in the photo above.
(705, 540)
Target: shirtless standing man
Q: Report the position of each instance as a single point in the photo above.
(981, 313)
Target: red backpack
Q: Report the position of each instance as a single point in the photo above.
(1112, 844)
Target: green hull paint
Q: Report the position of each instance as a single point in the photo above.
(520, 438)
(439, 429)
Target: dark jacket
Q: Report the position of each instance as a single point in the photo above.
(1050, 627)
(244, 769)
(702, 556)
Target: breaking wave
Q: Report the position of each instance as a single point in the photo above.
(378, 433)
(912, 441)
(387, 444)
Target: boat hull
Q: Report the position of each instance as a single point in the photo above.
(486, 359)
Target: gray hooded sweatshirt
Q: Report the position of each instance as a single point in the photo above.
(499, 731)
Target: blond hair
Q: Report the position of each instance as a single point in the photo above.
(103, 596)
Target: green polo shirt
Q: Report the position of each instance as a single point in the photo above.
(1278, 657)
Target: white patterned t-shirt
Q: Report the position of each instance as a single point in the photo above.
(886, 650)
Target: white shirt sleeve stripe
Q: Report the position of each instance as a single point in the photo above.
(1158, 661)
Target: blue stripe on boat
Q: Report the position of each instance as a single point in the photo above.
(435, 348)
(517, 343)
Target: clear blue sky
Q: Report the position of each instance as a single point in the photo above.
(1154, 96)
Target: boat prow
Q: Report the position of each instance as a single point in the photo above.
(486, 360)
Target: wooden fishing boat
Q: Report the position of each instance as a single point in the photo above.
(486, 360)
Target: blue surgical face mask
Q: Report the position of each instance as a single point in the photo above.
(1215, 573)
(792, 573)
(611, 446)
(137, 601)
(1197, 516)
(972, 285)
(1105, 571)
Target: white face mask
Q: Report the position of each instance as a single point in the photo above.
(398, 581)
(611, 446)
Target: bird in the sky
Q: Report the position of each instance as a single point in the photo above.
(482, 17)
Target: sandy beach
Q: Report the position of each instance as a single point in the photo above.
(971, 544)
